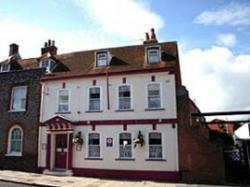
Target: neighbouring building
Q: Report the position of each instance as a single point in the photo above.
(223, 126)
(19, 111)
(108, 98)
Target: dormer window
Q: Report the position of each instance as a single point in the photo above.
(5, 68)
(47, 64)
(153, 55)
(101, 59)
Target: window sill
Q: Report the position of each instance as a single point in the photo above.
(13, 154)
(154, 109)
(125, 159)
(17, 111)
(125, 110)
(90, 158)
(62, 112)
(156, 159)
(93, 111)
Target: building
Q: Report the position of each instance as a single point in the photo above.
(222, 126)
(109, 99)
(19, 111)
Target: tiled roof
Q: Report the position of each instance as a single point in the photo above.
(128, 58)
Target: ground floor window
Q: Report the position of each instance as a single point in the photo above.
(94, 145)
(155, 145)
(15, 141)
(125, 147)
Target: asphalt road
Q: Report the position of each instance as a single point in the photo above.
(8, 184)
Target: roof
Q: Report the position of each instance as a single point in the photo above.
(123, 59)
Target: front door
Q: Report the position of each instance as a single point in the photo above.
(61, 151)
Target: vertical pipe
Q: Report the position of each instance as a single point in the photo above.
(107, 81)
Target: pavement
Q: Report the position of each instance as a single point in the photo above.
(35, 179)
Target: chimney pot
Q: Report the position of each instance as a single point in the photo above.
(146, 36)
(153, 36)
(13, 49)
(53, 42)
(49, 42)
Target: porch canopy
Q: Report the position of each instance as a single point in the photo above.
(243, 132)
(59, 123)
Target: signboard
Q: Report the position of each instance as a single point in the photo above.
(109, 142)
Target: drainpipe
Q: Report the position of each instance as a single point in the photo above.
(107, 84)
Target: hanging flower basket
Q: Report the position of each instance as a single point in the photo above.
(77, 140)
(139, 140)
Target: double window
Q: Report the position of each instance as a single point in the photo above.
(154, 96)
(63, 101)
(125, 145)
(155, 145)
(153, 55)
(101, 58)
(18, 98)
(94, 145)
(94, 99)
(5, 68)
(47, 64)
(124, 93)
(15, 141)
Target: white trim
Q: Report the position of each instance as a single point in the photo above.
(87, 144)
(131, 97)
(161, 98)
(101, 99)
(9, 153)
(1, 68)
(69, 101)
(11, 99)
(108, 58)
(48, 68)
(146, 53)
(162, 145)
(118, 144)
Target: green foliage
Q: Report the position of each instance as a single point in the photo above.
(139, 140)
(78, 138)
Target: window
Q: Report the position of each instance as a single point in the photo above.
(15, 141)
(124, 97)
(18, 98)
(46, 63)
(94, 145)
(155, 145)
(153, 54)
(63, 104)
(101, 58)
(94, 99)
(154, 96)
(125, 146)
(5, 68)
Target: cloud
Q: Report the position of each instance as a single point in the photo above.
(216, 78)
(235, 14)
(127, 18)
(227, 40)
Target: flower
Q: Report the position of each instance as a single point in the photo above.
(78, 139)
(139, 139)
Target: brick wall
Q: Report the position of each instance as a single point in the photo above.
(199, 159)
(28, 120)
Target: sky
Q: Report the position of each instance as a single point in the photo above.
(213, 37)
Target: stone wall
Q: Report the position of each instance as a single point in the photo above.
(28, 119)
(200, 160)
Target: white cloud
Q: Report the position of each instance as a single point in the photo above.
(227, 40)
(235, 14)
(216, 78)
(128, 18)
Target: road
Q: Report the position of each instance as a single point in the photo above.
(8, 184)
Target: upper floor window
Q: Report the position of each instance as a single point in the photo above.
(47, 64)
(153, 55)
(101, 58)
(155, 145)
(125, 146)
(154, 96)
(94, 99)
(124, 97)
(63, 100)
(15, 139)
(5, 68)
(94, 145)
(18, 98)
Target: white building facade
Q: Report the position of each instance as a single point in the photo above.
(120, 123)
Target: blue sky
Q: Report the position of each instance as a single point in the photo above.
(213, 37)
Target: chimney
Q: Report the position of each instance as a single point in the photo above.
(49, 47)
(152, 38)
(13, 49)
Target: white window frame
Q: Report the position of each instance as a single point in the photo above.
(5, 70)
(58, 100)
(151, 48)
(12, 99)
(132, 146)
(100, 145)
(107, 57)
(48, 68)
(162, 146)
(147, 96)
(88, 109)
(131, 97)
(9, 153)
